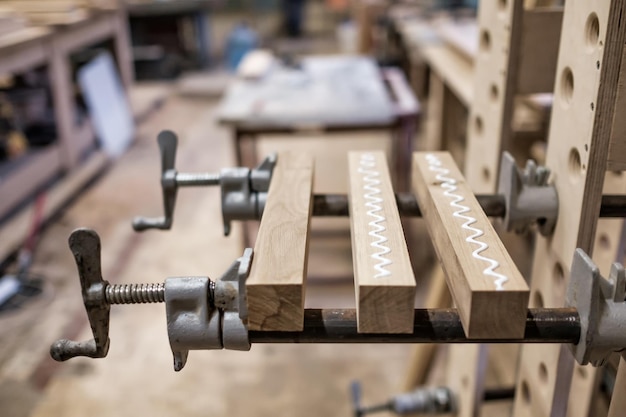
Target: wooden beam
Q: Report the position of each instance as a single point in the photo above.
(275, 287)
(488, 289)
(496, 70)
(588, 70)
(383, 277)
(618, 400)
(617, 147)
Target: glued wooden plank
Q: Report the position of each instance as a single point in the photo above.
(384, 280)
(275, 287)
(487, 287)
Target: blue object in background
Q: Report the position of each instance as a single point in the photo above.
(241, 40)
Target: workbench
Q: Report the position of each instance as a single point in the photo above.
(52, 47)
(324, 94)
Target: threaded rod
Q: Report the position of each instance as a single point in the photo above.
(184, 179)
(135, 293)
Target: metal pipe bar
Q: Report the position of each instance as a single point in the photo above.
(543, 325)
(336, 205)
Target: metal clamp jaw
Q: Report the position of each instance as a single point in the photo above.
(601, 305)
(244, 190)
(205, 314)
(201, 313)
(528, 196)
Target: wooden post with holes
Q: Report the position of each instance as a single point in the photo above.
(588, 70)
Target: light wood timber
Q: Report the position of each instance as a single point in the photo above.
(383, 277)
(588, 70)
(490, 292)
(541, 31)
(495, 76)
(275, 287)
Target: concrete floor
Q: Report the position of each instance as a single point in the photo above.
(137, 376)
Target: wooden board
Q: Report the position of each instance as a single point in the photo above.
(383, 277)
(488, 289)
(541, 32)
(617, 147)
(588, 70)
(618, 400)
(276, 284)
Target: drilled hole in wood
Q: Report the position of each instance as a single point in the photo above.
(537, 299)
(502, 4)
(465, 381)
(493, 92)
(478, 125)
(486, 174)
(575, 166)
(525, 392)
(592, 31)
(485, 40)
(567, 85)
(604, 242)
(543, 372)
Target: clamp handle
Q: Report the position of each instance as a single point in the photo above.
(167, 145)
(85, 246)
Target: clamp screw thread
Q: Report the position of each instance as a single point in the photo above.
(135, 293)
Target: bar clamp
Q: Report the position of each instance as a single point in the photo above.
(201, 313)
(243, 190)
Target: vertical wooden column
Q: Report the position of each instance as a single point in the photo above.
(60, 75)
(618, 402)
(495, 77)
(123, 47)
(588, 69)
(383, 277)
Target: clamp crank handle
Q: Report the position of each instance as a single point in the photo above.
(167, 145)
(85, 246)
(144, 223)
